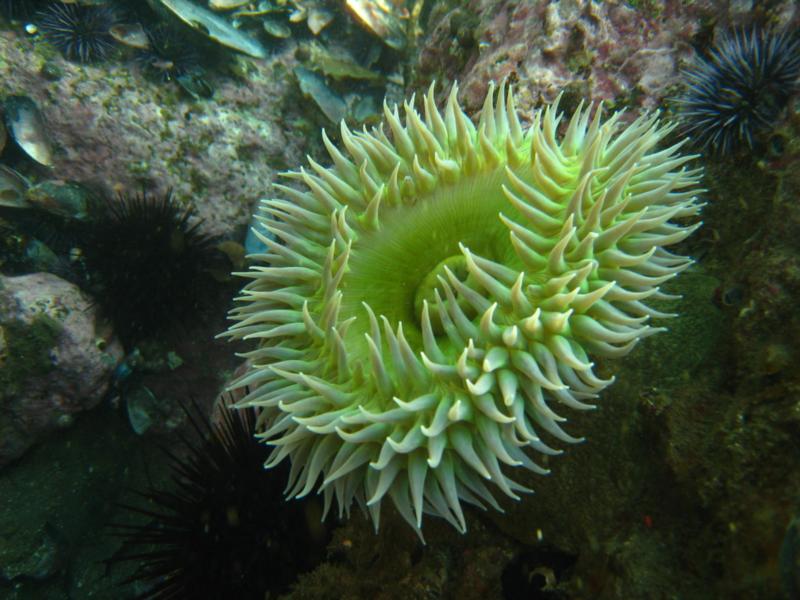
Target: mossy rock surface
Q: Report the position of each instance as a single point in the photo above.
(25, 351)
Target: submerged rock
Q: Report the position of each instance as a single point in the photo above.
(54, 362)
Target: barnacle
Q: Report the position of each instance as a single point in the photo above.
(426, 300)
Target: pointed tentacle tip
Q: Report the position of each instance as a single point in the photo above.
(505, 302)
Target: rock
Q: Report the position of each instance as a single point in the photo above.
(37, 555)
(122, 132)
(627, 53)
(53, 361)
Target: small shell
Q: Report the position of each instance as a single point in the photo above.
(365, 108)
(40, 257)
(319, 19)
(27, 128)
(132, 35)
(235, 253)
(62, 198)
(232, 255)
(337, 63)
(298, 15)
(263, 8)
(276, 28)
(328, 101)
(194, 84)
(382, 18)
(214, 27)
(142, 408)
(226, 4)
(12, 188)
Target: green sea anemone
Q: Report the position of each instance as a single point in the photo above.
(428, 297)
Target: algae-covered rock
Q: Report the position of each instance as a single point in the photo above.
(54, 360)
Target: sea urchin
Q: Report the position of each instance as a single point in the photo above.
(168, 56)
(740, 89)
(147, 263)
(430, 296)
(81, 33)
(221, 530)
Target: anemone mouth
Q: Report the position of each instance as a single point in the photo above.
(404, 261)
(430, 295)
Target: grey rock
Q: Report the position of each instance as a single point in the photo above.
(54, 362)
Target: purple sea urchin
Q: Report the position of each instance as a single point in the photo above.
(739, 90)
(430, 296)
(222, 530)
(81, 33)
(168, 56)
(148, 264)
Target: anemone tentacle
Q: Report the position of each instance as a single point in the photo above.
(429, 301)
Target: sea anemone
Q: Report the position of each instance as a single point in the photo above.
(740, 89)
(428, 297)
(147, 263)
(221, 530)
(81, 33)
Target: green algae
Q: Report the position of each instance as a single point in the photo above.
(649, 8)
(691, 337)
(25, 351)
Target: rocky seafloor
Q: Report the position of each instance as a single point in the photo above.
(688, 486)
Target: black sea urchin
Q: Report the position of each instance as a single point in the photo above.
(148, 265)
(739, 90)
(223, 530)
(18, 9)
(168, 56)
(81, 33)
